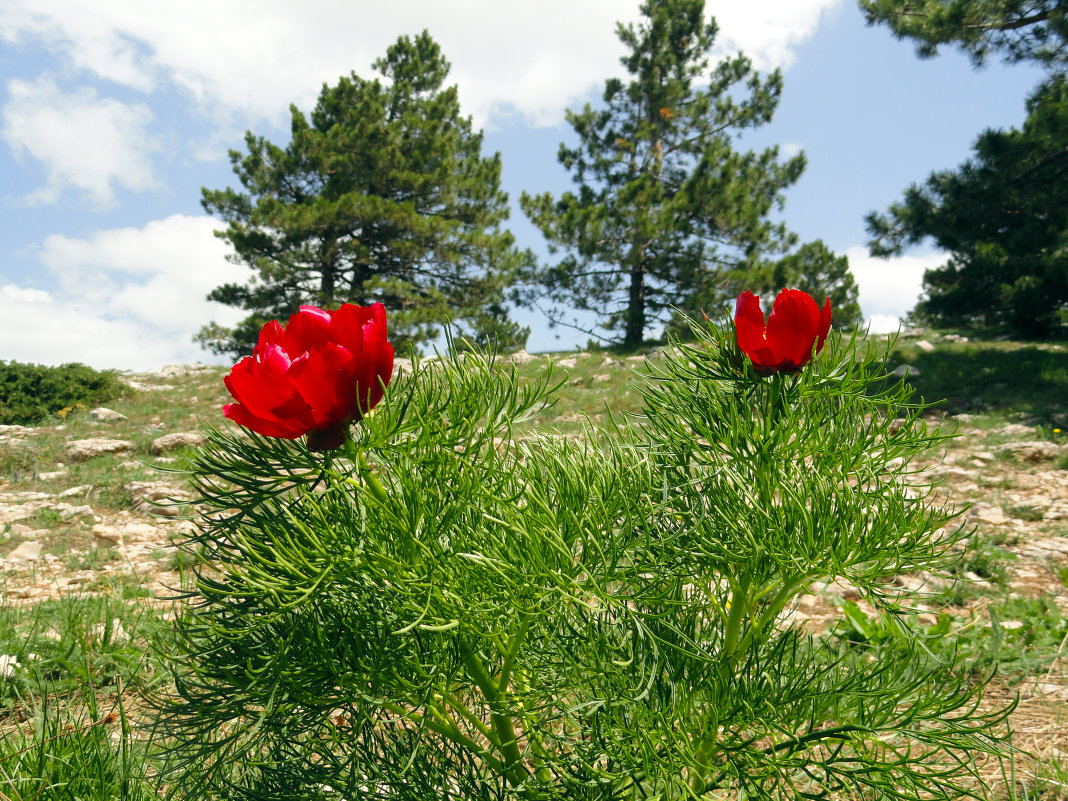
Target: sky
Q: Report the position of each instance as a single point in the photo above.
(112, 119)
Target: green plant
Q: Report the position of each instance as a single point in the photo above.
(442, 604)
(31, 392)
(1017, 637)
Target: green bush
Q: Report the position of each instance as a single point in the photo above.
(30, 392)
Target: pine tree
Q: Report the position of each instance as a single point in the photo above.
(1003, 216)
(664, 204)
(381, 195)
(1020, 30)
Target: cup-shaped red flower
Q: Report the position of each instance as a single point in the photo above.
(313, 376)
(785, 344)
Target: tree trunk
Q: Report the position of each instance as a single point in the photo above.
(635, 329)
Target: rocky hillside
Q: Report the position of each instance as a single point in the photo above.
(85, 509)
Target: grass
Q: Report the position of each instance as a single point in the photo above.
(991, 377)
(71, 721)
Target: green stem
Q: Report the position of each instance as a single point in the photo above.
(373, 483)
(776, 605)
(503, 723)
(444, 725)
(738, 610)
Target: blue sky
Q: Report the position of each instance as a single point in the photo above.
(111, 122)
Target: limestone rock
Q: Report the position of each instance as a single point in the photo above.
(903, 370)
(104, 415)
(170, 442)
(522, 357)
(9, 513)
(1036, 451)
(157, 498)
(925, 346)
(138, 386)
(82, 450)
(106, 535)
(988, 513)
(29, 551)
(567, 364)
(1015, 430)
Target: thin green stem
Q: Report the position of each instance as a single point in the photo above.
(503, 723)
(445, 726)
(739, 609)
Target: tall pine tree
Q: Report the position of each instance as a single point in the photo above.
(667, 213)
(1003, 217)
(382, 195)
(1018, 30)
(1003, 214)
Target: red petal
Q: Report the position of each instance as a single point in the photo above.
(268, 395)
(307, 329)
(321, 379)
(825, 325)
(792, 329)
(749, 322)
(269, 428)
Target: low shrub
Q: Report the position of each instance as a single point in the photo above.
(31, 392)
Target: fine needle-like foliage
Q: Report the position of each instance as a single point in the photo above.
(460, 606)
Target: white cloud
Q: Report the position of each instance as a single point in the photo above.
(532, 59)
(81, 140)
(889, 288)
(768, 30)
(128, 298)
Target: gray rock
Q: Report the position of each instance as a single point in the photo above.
(82, 450)
(903, 370)
(567, 364)
(170, 442)
(103, 415)
(925, 346)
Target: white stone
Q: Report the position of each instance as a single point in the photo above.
(26, 552)
(567, 364)
(903, 370)
(82, 450)
(988, 513)
(1036, 451)
(107, 535)
(105, 415)
(925, 346)
(68, 493)
(170, 442)
(522, 357)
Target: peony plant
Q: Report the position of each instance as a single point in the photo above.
(458, 604)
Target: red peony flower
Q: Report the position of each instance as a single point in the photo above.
(313, 376)
(795, 325)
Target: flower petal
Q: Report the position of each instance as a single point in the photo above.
(269, 428)
(825, 325)
(749, 323)
(792, 328)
